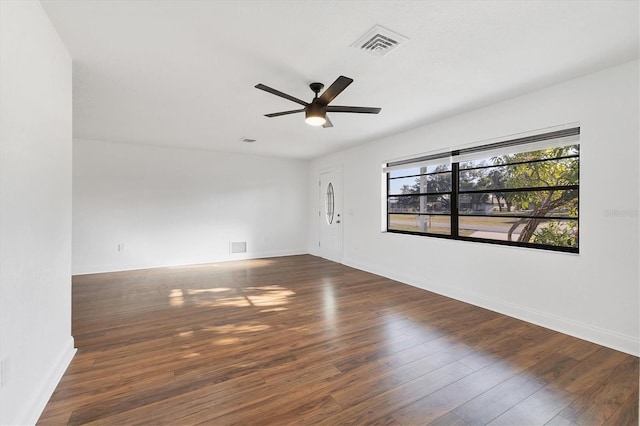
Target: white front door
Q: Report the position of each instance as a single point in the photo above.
(330, 215)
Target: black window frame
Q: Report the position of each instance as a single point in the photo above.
(454, 194)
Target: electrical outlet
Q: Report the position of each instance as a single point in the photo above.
(121, 247)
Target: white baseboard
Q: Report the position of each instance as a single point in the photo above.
(600, 336)
(41, 398)
(103, 268)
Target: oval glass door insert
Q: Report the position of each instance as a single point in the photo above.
(330, 204)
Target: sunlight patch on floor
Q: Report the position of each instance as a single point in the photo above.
(261, 296)
(226, 341)
(238, 328)
(176, 297)
(195, 292)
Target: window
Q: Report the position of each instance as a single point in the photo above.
(521, 192)
(330, 204)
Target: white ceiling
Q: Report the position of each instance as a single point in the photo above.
(182, 73)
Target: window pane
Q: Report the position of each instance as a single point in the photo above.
(439, 182)
(476, 163)
(437, 168)
(549, 153)
(490, 178)
(522, 203)
(404, 172)
(554, 232)
(412, 171)
(406, 185)
(420, 204)
(555, 172)
(494, 228)
(433, 224)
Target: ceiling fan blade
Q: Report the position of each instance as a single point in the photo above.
(335, 89)
(328, 123)
(359, 110)
(277, 114)
(281, 94)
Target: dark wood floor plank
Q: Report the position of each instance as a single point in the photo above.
(388, 402)
(497, 400)
(598, 403)
(176, 407)
(301, 340)
(308, 413)
(537, 409)
(594, 368)
(560, 421)
(383, 380)
(627, 414)
(451, 396)
(449, 419)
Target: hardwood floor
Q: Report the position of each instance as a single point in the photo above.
(301, 340)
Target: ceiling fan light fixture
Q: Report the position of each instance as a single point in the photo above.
(315, 115)
(315, 121)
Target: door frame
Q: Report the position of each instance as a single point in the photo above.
(338, 201)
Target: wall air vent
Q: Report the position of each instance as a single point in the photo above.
(379, 41)
(238, 247)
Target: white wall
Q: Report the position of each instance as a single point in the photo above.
(592, 295)
(35, 210)
(176, 206)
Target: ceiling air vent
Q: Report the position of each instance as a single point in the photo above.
(379, 41)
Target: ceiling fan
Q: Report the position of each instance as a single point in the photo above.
(316, 111)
